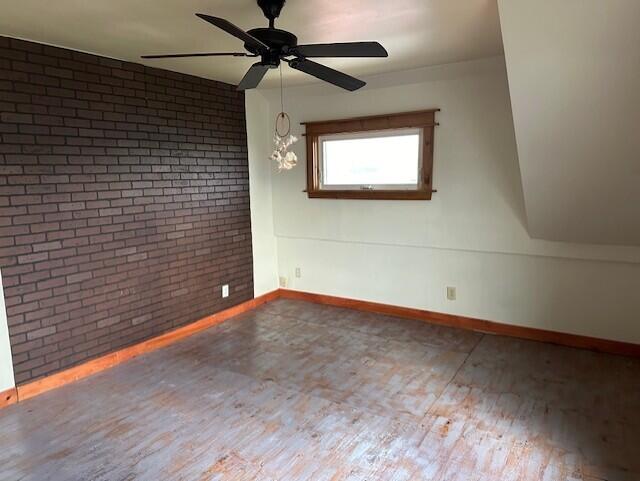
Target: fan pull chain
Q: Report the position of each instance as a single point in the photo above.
(285, 158)
(282, 115)
(281, 91)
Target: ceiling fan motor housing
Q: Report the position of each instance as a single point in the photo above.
(279, 42)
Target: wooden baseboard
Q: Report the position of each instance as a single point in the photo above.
(470, 323)
(8, 397)
(94, 366)
(29, 390)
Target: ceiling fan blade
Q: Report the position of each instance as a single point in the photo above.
(230, 28)
(253, 76)
(348, 49)
(327, 74)
(210, 54)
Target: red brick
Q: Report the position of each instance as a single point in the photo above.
(38, 333)
(119, 194)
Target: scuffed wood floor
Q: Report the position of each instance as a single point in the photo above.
(298, 391)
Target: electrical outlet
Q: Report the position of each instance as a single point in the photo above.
(298, 272)
(451, 293)
(225, 290)
(283, 281)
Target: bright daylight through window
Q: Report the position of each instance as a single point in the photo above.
(379, 157)
(372, 160)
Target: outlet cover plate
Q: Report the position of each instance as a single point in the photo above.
(451, 293)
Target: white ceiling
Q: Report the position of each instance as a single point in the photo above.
(574, 79)
(416, 33)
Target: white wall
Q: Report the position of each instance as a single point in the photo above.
(6, 365)
(472, 235)
(574, 88)
(264, 243)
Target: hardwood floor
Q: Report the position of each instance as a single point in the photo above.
(299, 391)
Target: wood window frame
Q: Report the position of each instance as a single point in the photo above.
(423, 119)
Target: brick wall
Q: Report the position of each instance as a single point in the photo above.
(124, 203)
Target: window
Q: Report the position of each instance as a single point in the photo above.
(381, 157)
(361, 161)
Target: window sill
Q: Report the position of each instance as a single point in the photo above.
(371, 194)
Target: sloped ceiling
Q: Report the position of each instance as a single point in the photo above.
(415, 32)
(574, 78)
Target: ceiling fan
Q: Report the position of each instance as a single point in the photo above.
(273, 45)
